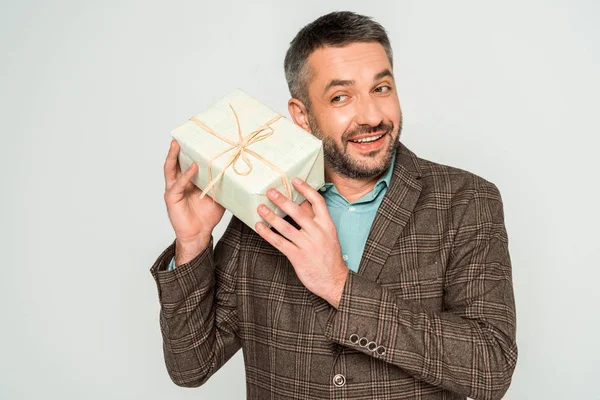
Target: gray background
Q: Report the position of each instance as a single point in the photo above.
(89, 92)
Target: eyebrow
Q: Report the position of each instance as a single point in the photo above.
(383, 74)
(338, 82)
(341, 82)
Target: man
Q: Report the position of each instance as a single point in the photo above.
(393, 282)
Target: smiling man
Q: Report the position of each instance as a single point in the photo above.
(354, 108)
(394, 281)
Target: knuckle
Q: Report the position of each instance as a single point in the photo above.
(277, 240)
(331, 229)
(287, 230)
(298, 214)
(320, 200)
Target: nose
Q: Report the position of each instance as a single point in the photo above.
(368, 112)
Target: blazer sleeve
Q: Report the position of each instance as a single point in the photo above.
(470, 347)
(198, 313)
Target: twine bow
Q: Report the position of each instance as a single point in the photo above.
(241, 151)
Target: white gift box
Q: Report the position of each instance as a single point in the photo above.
(242, 149)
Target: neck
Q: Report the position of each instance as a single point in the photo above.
(352, 189)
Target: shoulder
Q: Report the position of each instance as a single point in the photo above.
(466, 198)
(445, 181)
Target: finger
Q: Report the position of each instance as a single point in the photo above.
(316, 200)
(184, 180)
(171, 168)
(307, 207)
(292, 209)
(276, 240)
(283, 227)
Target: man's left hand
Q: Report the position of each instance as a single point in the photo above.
(314, 250)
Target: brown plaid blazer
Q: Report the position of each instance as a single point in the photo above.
(429, 315)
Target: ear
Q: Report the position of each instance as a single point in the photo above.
(299, 114)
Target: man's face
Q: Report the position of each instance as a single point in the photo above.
(354, 108)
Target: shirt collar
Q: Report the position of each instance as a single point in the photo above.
(383, 181)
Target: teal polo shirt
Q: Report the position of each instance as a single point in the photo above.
(353, 220)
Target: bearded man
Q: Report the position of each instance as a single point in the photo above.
(392, 281)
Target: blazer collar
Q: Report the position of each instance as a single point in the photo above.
(393, 214)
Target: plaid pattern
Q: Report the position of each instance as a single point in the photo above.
(429, 315)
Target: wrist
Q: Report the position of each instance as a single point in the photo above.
(337, 288)
(188, 249)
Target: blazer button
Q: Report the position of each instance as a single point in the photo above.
(354, 338)
(372, 346)
(380, 350)
(339, 380)
(363, 342)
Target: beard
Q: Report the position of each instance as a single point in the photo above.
(343, 164)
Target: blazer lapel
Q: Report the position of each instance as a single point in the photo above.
(391, 218)
(394, 212)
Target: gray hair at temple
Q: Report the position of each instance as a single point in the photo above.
(336, 29)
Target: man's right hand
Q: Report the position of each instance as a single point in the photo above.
(192, 218)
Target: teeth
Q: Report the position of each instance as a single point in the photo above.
(368, 139)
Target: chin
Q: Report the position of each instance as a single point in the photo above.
(362, 166)
(372, 167)
(351, 161)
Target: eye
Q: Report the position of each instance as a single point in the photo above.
(339, 98)
(383, 89)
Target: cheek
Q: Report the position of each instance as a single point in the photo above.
(337, 121)
(392, 111)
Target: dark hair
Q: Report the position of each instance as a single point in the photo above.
(336, 29)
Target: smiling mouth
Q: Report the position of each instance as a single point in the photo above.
(368, 139)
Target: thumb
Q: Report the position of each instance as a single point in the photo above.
(184, 180)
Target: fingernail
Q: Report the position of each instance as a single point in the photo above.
(262, 209)
(297, 181)
(273, 193)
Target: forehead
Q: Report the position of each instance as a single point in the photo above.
(355, 61)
